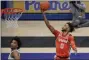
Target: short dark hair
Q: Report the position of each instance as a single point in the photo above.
(18, 41)
(71, 27)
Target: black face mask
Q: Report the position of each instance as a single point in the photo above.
(63, 30)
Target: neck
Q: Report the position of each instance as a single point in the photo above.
(65, 33)
(13, 49)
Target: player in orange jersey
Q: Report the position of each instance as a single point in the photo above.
(64, 40)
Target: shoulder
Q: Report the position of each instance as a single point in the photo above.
(15, 52)
(56, 33)
(71, 36)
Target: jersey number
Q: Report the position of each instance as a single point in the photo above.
(61, 45)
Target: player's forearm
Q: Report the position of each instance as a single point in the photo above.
(48, 24)
(46, 21)
(74, 47)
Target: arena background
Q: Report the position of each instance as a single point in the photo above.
(37, 40)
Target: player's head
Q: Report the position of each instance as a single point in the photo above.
(15, 43)
(68, 27)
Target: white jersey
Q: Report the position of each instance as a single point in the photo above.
(76, 12)
(10, 57)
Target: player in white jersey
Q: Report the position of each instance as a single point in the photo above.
(15, 45)
(78, 12)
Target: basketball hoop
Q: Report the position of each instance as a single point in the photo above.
(11, 16)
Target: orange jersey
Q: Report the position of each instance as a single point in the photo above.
(63, 44)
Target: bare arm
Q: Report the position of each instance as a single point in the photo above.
(16, 56)
(51, 28)
(72, 43)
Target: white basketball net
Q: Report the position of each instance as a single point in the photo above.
(12, 19)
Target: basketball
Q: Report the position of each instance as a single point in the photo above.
(44, 6)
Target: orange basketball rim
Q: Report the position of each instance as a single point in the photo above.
(11, 10)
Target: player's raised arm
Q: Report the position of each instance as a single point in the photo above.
(51, 28)
(44, 7)
(16, 56)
